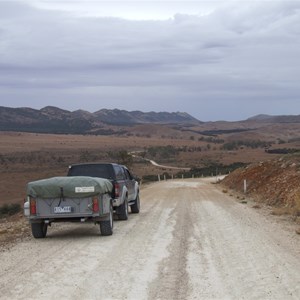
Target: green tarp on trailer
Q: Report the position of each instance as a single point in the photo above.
(69, 187)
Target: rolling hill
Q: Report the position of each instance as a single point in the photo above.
(55, 120)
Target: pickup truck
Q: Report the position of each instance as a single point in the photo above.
(89, 193)
(125, 191)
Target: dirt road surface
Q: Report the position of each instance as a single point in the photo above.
(190, 241)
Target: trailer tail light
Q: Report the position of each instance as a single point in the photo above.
(95, 205)
(32, 206)
(117, 190)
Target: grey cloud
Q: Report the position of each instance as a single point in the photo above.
(237, 53)
(15, 9)
(258, 16)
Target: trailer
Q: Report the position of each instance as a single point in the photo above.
(69, 199)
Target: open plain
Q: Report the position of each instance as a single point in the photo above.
(31, 156)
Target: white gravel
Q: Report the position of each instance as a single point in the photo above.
(190, 241)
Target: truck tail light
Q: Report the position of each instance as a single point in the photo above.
(117, 190)
(32, 206)
(95, 205)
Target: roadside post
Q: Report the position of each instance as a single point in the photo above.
(245, 186)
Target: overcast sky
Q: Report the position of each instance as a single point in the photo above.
(217, 60)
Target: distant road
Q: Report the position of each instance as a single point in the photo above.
(190, 241)
(167, 167)
(161, 166)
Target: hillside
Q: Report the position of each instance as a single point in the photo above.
(127, 123)
(273, 182)
(275, 119)
(123, 117)
(55, 120)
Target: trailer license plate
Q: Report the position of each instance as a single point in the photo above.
(62, 210)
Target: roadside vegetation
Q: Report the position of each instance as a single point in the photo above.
(9, 209)
(213, 169)
(235, 145)
(282, 151)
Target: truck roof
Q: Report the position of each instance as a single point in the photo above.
(102, 170)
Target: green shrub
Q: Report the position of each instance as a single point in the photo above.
(9, 209)
(149, 178)
(162, 152)
(212, 169)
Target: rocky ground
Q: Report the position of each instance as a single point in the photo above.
(13, 229)
(275, 183)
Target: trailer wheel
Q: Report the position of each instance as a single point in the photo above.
(135, 208)
(122, 210)
(39, 230)
(106, 227)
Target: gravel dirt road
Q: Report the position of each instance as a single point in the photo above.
(190, 241)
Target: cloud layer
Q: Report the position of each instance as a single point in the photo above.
(238, 60)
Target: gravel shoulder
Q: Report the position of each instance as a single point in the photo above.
(190, 241)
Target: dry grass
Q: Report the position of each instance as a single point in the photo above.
(292, 211)
(30, 156)
(280, 211)
(256, 206)
(296, 209)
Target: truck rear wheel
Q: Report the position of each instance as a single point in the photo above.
(122, 210)
(135, 208)
(106, 227)
(39, 230)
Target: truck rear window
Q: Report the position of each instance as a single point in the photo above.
(102, 171)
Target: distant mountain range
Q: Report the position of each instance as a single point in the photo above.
(275, 119)
(55, 120)
(52, 119)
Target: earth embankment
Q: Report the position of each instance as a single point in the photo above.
(274, 182)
